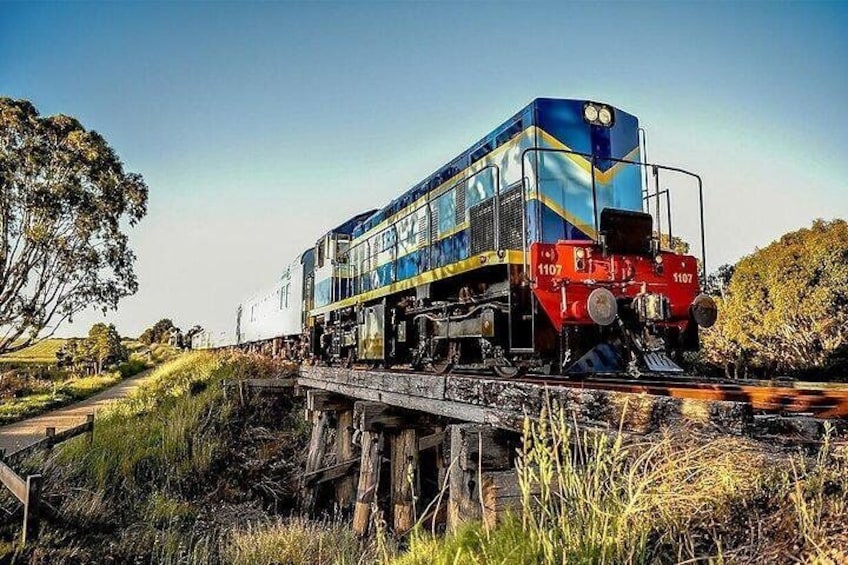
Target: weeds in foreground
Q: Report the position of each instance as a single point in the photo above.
(302, 542)
(600, 499)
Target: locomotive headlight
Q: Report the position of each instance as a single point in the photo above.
(605, 116)
(658, 259)
(590, 112)
(579, 252)
(704, 310)
(602, 306)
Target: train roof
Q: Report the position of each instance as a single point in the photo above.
(348, 226)
(527, 116)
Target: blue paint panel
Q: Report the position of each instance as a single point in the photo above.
(451, 249)
(554, 228)
(563, 119)
(322, 292)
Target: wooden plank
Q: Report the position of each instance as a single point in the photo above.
(64, 435)
(315, 454)
(372, 416)
(13, 482)
(486, 446)
(31, 514)
(504, 404)
(325, 400)
(447, 409)
(463, 502)
(332, 472)
(270, 383)
(410, 384)
(432, 440)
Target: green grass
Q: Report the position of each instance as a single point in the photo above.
(62, 394)
(43, 353)
(175, 468)
(151, 436)
(51, 395)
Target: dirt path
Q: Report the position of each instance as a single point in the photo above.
(20, 434)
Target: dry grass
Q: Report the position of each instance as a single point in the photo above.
(43, 352)
(674, 499)
(301, 542)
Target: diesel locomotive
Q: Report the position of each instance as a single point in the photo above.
(533, 250)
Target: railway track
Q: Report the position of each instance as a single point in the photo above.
(818, 400)
(819, 403)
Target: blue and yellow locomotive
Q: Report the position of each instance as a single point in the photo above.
(530, 250)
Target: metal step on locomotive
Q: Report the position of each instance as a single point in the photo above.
(540, 248)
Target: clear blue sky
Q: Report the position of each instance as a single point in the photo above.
(257, 126)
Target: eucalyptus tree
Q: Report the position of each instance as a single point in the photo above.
(65, 204)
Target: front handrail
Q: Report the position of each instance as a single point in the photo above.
(592, 159)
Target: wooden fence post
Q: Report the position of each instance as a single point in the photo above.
(33, 494)
(89, 419)
(50, 432)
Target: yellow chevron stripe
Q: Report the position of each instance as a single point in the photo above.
(585, 164)
(588, 229)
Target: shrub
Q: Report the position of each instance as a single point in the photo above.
(132, 367)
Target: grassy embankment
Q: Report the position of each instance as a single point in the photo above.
(180, 474)
(30, 382)
(173, 469)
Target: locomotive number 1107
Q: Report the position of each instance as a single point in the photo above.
(685, 278)
(550, 269)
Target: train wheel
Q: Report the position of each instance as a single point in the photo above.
(444, 365)
(508, 371)
(441, 367)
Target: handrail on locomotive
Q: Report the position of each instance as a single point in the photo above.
(654, 167)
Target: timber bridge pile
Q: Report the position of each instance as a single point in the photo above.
(438, 445)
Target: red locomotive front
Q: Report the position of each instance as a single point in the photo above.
(633, 298)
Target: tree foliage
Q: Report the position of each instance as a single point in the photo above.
(100, 349)
(65, 199)
(161, 332)
(786, 306)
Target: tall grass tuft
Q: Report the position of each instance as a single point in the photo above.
(595, 498)
(300, 542)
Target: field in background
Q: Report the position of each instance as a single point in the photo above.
(43, 353)
(31, 383)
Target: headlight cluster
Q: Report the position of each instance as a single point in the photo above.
(598, 114)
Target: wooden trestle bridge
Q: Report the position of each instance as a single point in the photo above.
(442, 448)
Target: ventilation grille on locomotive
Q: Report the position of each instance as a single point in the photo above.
(422, 230)
(434, 223)
(510, 219)
(460, 202)
(482, 227)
